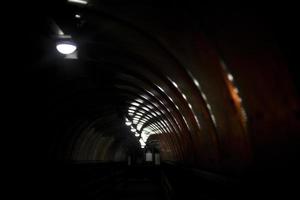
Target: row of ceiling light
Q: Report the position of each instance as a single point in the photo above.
(136, 119)
(68, 47)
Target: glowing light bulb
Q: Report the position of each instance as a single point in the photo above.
(66, 48)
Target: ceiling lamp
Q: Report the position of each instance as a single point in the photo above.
(66, 47)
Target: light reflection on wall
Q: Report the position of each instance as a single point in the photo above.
(234, 92)
(189, 105)
(205, 100)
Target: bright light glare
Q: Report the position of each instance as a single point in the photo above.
(155, 104)
(142, 142)
(145, 96)
(145, 108)
(175, 84)
(204, 96)
(160, 89)
(230, 77)
(144, 137)
(128, 123)
(150, 107)
(139, 126)
(208, 106)
(140, 100)
(66, 48)
(196, 83)
(78, 1)
(138, 114)
(213, 119)
(135, 104)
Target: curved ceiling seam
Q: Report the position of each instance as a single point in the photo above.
(171, 137)
(184, 119)
(161, 104)
(150, 37)
(197, 122)
(181, 133)
(153, 116)
(158, 42)
(168, 118)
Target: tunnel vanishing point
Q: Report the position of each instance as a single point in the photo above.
(211, 91)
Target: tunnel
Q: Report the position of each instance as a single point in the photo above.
(158, 100)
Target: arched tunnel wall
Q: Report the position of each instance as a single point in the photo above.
(214, 90)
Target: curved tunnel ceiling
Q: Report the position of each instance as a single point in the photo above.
(140, 77)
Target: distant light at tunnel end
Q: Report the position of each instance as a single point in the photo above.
(66, 48)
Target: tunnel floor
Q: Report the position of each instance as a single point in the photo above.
(107, 181)
(141, 182)
(139, 189)
(167, 181)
